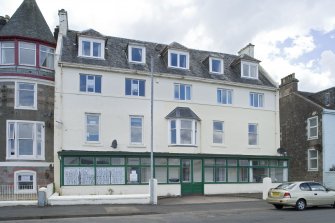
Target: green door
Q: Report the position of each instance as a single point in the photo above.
(191, 177)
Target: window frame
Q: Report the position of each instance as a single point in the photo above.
(95, 91)
(220, 98)
(249, 64)
(178, 132)
(260, 100)
(131, 129)
(211, 59)
(16, 182)
(16, 138)
(309, 137)
(179, 53)
(178, 86)
(17, 96)
(1, 53)
(257, 134)
(47, 52)
(222, 132)
(91, 41)
(19, 46)
(143, 56)
(86, 128)
(132, 83)
(309, 159)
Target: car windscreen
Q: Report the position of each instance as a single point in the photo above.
(286, 186)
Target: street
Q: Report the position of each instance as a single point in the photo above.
(245, 212)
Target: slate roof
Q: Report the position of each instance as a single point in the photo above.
(28, 22)
(182, 112)
(319, 97)
(116, 57)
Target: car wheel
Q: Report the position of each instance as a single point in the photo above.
(300, 205)
(278, 206)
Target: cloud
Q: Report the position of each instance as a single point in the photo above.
(300, 46)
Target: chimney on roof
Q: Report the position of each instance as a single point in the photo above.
(248, 50)
(289, 84)
(63, 22)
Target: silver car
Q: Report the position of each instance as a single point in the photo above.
(300, 195)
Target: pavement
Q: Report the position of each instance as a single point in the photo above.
(164, 206)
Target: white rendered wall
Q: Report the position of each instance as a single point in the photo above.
(163, 190)
(233, 188)
(115, 109)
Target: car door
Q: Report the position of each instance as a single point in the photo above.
(306, 193)
(321, 195)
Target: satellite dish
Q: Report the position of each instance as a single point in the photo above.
(114, 144)
(281, 151)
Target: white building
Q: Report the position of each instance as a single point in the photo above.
(216, 124)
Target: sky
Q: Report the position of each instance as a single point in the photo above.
(290, 36)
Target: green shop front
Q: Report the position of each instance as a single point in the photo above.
(85, 172)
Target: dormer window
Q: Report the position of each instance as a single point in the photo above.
(178, 59)
(136, 54)
(249, 70)
(89, 47)
(216, 65)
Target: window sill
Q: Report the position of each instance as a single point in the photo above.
(313, 170)
(26, 108)
(253, 147)
(313, 138)
(25, 158)
(179, 68)
(89, 57)
(137, 62)
(219, 145)
(95, 144)
(137, 146)
(194, 146)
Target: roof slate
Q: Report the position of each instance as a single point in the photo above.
(28, 22)
(116, 57)
(182, 112)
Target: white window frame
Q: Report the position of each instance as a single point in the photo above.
(130, 47)
(16, 155)
(222, 133)
(211, 65)
(48, 51)
(178, 134)
(257, 134)
(17, 97)
(86, 129)
(260, 97)
(178, 59)
(91, 40)
(249, 64)
(86, 84)
(131, 128)
(27, 49)
(2, 47)
(313, 158)
(179, 85)
(229, 92)
(309, 128)
(16, 182)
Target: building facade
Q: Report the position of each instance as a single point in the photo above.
(215, 118)
(26, 99)
(307, 127)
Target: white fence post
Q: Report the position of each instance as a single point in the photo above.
(267, 184)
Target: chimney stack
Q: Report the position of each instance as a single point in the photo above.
(248, 50)
(289, 84)
(63, 22)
